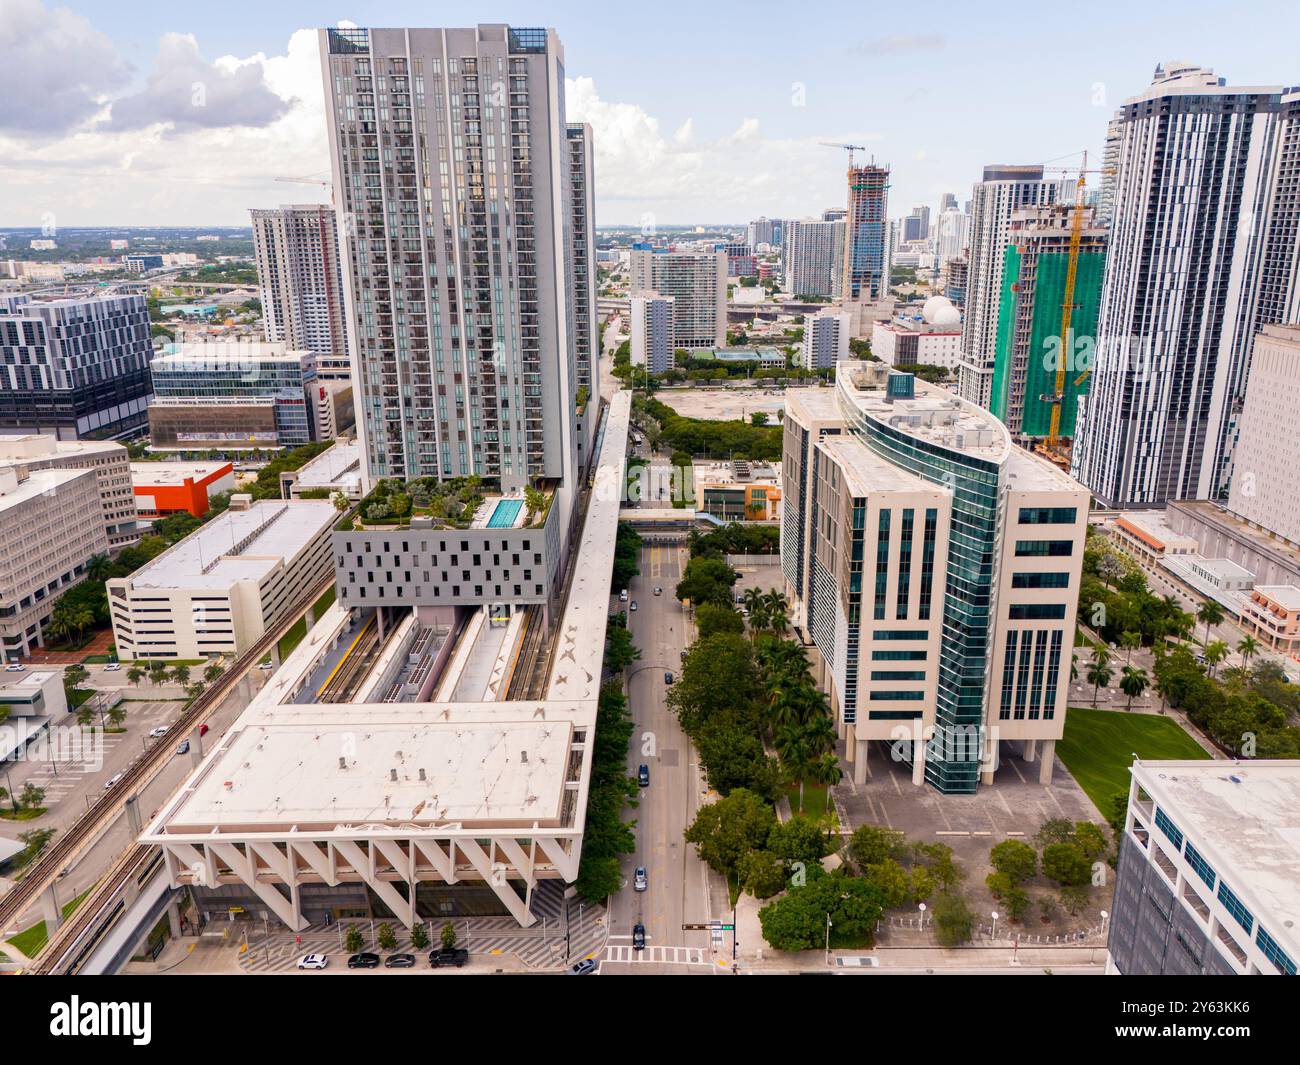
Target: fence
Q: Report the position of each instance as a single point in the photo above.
(920, 923)
(774, 559)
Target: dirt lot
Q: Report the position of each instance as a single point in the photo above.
(722, 404)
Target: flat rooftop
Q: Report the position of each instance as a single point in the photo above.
(39, 446)
(331, 465)
(205, 354)
(454, 770)
(1287, 596)
(164, 474)
(37, 484)
(812, 404)
(866, 472)
(1152, 527)
(1258, 539)
(238, 545)
(1244, 818)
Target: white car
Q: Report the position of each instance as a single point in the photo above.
(15, 668)
(112, 667)
(113, 780)
(622, 596)
(313, 961)
(155, 733)
(265, 665)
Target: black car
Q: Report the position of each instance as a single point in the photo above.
(363, 961)
(457, 956)
(583, 968)
(638, 937)
(643, 775)
(668, 678)
(400, 961)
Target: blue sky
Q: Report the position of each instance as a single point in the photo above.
(708, 112)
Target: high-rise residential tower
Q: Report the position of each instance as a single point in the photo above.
(813, 253)
(452, 157)
(297, 251)
(1003, 191)
(1197, 164)
(697, 283)
(582, 211)
(866, 234)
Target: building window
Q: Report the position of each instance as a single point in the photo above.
(1234, 906)
(1203, 868)
(1169, 829)
(1048, 548)
(1037, 612)
(1048, 515)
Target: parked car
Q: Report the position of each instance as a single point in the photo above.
(203, 730)
(113, 780)
(313, 961)
(683, 656)
(184, 747)
(161, 730)
(638, 936)
(14, 667)
(113, 667)
(668, 678)
(265, 665)
(365, 960)
(583, 968)
(639, 879)
(622, 596)
(632, 607)
(399, 961)
(659, 591)
(457, 956)
(643, 775)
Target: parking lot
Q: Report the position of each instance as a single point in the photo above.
(723, 404)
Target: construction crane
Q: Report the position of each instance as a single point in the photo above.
(850, 148)
(1057, 397)
(307, 181)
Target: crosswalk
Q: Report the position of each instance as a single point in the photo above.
(59, 766)
(657, 955)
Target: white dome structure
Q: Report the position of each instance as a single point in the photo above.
(933, 306)
(949, 315)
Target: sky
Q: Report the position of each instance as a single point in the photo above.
(702, 112)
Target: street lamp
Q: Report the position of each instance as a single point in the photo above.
(921, 907)
(828, 939)
(995, 925)
(1104, 915)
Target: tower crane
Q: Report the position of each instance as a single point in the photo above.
(1057, 398)
(850, 148)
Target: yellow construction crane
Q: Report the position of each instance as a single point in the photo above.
(1067, 301)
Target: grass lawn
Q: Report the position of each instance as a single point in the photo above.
(293, 638)
(1098, 748)
(78, 696)
(31, 940)
(27, 813)
(814, 802)
(325, 601)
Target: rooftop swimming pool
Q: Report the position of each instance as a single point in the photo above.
(505, 514)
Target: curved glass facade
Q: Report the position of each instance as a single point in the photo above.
(953, 759)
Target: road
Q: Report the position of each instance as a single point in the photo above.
(93, 861)
(679, 883)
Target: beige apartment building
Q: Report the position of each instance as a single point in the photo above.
(51, 523)
(935, 567)
(217, 591)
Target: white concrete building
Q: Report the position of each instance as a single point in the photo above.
(825, 340)
(111, 463)
(651, 331)
(336, 469)
(1003, 191)
(220, 588)
(697, 283)
(813, 256)
(1265, 488)
(908, 340)
(1181, 298)
(1209, 860)
(51, 524)
(935, 567)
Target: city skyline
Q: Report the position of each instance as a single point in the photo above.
(678, 142)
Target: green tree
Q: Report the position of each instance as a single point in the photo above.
(1098, 672)
(74, 677)
(212, 672)
(953, 920)
(761, 873)
(707, 580)
(1018, 861)
(448, 936)
(798, 920)
(1091, 840)
(872, 845)
(725, 830)
(1133, 683)
(135, 675)
(354, 940)
(1215, 652)
(1074, 897)
(892, 881)
(1066, 864)
(386, 936)
(1131, 641)
(798, 840)
(420, 936)
(620, 652)
(1209, 614)
(1247, 647)
(711, 618)
(32, 796)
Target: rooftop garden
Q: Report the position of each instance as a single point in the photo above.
(450, 504)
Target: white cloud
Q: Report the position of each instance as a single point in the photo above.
(57, 68)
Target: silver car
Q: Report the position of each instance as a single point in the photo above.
(639, 881)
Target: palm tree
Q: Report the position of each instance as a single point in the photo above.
(826, 771)
(213, 672)
(1209, 613)
(98, 567)
(1098, 672)
(1133, 683)
(1248, 648)
(1130, 640)
(1074, 667)
(135, 675)
(181, 675)
(1215, 652)
(757, 607)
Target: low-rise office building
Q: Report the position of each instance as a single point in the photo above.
(110, 462)
(935, 567)
(32, 702)
(163, 488)
(51, 525)
(232, 397)
(218, 590)
(1272, 614)
(336, 469)
(1209, 860)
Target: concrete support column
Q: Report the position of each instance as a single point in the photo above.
(861, 768)
(174, 918)
(1049, 756)
(1030, 750)
(918, 760)
(991, 766)
(133, 815)
(275, 655)
(51, 910)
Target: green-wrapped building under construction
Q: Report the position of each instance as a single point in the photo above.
(1034, 275)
